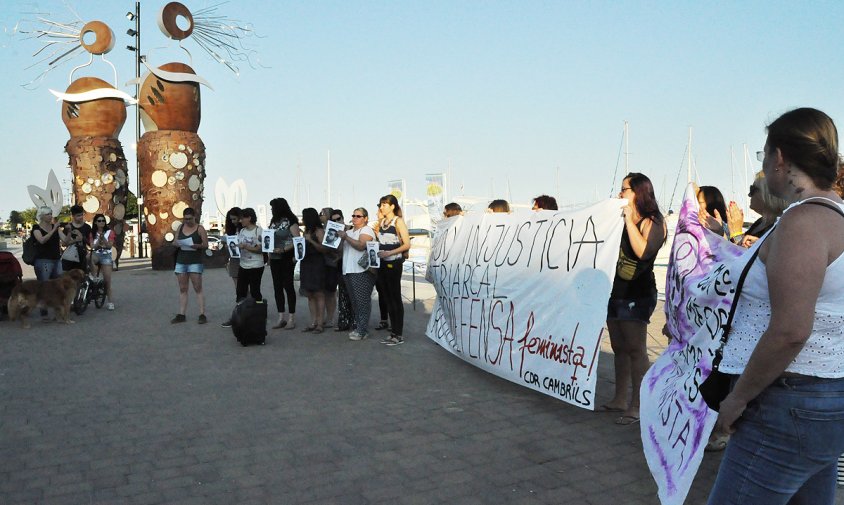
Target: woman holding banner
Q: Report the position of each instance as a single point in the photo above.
(633, 297)
(786, 408)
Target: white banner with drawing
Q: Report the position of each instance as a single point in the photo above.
(524, 295)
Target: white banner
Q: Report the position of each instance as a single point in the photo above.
(524, 295)
(675, 422)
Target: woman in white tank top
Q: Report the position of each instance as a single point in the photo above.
(786, 347)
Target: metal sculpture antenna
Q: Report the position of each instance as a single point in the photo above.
(59, 43)
(223, 38)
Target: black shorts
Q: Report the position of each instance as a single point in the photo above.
(631, 309)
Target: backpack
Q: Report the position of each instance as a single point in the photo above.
(30, 250)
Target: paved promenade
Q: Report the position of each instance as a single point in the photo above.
(123, 407)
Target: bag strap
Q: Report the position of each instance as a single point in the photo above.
(828, 206)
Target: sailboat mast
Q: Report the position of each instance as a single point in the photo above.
(689, 176)
(746, 200)
(328, 184)
(732, 173)
(626, 148)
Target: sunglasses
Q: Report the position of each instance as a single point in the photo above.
(753, 190)
(358, 215)
(100, 221)
(337, 218)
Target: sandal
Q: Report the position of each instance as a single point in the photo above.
(626, 420)
(318, 329)
(309, 328)
(383, 325)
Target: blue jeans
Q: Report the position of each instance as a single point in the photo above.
(46, 269)
(786, 446)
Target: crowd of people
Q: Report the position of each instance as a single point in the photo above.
(337, 281)
(782, 424)
(74, 245)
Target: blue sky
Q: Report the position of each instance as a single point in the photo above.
(502, 92)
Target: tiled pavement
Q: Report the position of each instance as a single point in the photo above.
(124, 407)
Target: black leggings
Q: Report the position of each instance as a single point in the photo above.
(391, 272)
(249, 279)
(282, 272)
(382, 297)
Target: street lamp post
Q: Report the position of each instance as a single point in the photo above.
(136, 17)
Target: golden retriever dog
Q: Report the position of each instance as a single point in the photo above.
(56, 294)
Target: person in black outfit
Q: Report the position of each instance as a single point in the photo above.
(79, 237)
(633, 297)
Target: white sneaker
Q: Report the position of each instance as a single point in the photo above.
(110, 306)
(356, 336)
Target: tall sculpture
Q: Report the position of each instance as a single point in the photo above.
(93, 111)
(170, 153)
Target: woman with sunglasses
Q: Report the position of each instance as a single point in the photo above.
(189, 266)
(359, 281)
(633, 296)
(49, 237)
(767, 205)
(395, 242)
(101, 244)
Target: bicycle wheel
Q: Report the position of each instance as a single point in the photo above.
(80, 301)
(99, 295)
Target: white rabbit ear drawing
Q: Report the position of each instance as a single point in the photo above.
(227, 196)
(51, 196)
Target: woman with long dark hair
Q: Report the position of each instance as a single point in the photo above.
(101, 242)
(394, 243)
(713, 210)
(633, 297)
(312, 269)
(283, 261)
(251, 258)
(232, 226)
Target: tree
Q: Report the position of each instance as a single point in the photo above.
(28, 216)
(131, 206)
(15, 219)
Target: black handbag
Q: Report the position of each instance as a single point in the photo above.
(716, 386)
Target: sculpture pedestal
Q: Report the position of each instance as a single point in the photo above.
(100, 180)
(172, 179)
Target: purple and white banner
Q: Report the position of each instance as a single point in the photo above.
(700, 283)
(524, 295)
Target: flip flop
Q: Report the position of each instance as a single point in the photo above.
(607, 408)
(626, 420)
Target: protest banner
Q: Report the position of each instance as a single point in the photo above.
(700, 284)
(524, 295)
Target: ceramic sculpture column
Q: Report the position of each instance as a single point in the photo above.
(171, 155)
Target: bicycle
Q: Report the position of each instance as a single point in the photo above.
(92, 289)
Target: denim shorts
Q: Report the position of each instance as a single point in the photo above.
(631, 309)
(188, 268)
(786, 446)
(103, 257)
